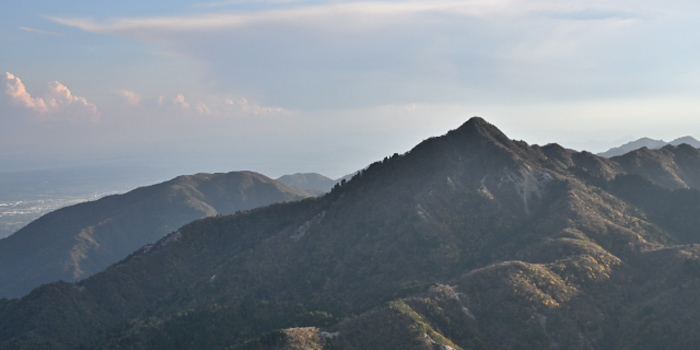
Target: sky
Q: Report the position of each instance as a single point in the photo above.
(285, 86)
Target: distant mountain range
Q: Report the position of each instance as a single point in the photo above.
(27, 195)
(469, 241)
(648, 143)
(75, 242)
(310, 182)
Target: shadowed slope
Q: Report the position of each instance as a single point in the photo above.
(470, 241)
(75, 242)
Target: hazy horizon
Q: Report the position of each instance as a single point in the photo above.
(280, 87)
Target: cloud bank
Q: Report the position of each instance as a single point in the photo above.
(360, 54)
(276, 73)
(55, 103)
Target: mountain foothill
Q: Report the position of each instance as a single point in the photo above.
(470, 240)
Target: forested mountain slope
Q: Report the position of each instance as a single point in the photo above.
(469, 241)
(77, 241)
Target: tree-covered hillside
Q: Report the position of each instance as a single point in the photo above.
(468, 241)
(78, 241)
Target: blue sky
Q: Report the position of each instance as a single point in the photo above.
(330, 86)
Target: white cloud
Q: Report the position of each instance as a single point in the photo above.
(337, 14)
(358, 15)
(350, 54)
(56, 103)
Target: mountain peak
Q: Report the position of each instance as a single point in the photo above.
(476, 120)
(479, 126)
(686, 140)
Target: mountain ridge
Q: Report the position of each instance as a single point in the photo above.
(313, 182)
(648, 143)
(468, 241)
(75, 242)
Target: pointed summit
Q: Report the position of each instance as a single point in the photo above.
(476, 120)
(479, 126)
(477, 132)
(475, 136)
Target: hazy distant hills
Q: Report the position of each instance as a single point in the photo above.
(648, 143)
(469, 241)
(77, 241)
(316, 183)
(27, 195)
(313, 182)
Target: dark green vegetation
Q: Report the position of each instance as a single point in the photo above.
(468, 241)
(76, 242)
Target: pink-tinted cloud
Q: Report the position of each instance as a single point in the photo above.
(131, 98)
(179, 100)
(56, 103)
(18, 93)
